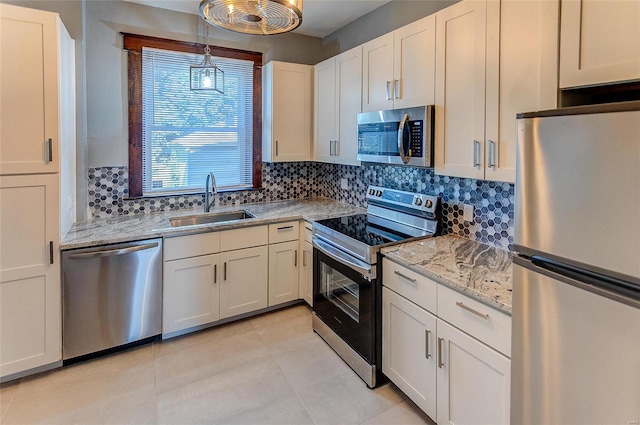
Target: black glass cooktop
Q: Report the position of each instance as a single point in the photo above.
(359, 228)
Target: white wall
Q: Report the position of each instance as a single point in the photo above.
(389, 17)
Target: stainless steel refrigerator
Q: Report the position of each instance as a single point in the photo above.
(576, 295)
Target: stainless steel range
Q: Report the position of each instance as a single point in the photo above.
(347, 292)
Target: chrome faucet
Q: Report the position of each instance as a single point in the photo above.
(210, 199)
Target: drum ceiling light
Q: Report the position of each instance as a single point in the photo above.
(262, 17)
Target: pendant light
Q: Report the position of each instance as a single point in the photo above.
(207, 75)
(262, 17)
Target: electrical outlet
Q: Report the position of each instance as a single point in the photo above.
(344, 184)
(468, 212)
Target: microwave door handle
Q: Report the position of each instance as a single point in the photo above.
(403, 123)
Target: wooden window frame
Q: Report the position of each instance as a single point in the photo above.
(133, 44)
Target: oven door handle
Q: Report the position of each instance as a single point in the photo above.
(342, 258)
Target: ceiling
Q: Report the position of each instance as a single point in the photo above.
(319, 17)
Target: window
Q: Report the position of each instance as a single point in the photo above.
(177, 136)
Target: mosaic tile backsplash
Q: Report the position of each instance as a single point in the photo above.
(493, 201)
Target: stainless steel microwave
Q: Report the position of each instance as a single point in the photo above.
(397, 136)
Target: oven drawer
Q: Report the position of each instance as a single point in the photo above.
(485, 323)
(413, 286)
(284, 232)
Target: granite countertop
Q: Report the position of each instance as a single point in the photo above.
(102, 231)
(480, 271)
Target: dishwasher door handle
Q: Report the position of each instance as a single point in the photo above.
(112, 252)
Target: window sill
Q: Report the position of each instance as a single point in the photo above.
(168, 194)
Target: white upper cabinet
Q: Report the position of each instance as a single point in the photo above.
(522, 77)
(398, 68)
(29, 78)
(493, 60)
(325, 105)
(286, 120)
(338, 100)
(414, 63)
(377, 74)
(599, 42)
(460, 89)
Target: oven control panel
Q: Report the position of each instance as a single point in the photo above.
(415, 201)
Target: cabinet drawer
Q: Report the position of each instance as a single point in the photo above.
(244, 237)
(475, 318)
(191, 246)
(283, 232)
(411, 285)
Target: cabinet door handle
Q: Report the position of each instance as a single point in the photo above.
(476, 150)
(304, 258)
(295, 258)
(276, 148)
(49, 150)
(335, 147)
(492, 154)
(50, 252)
(215, 274)
(471, 310)
(440, 360)
(396, 89)
(225, 271)
(280, 229)
(388, 90)
(427, 334)
(404, 276)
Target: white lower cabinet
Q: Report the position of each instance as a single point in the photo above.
(452, 376)
(408, 349)
(473, 380)
(191, 293)
(283, 272)
(244, 283)
(305, 283)
(30, 293)
(203, 285)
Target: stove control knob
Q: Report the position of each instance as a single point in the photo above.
(378, 193)
(418, 201)
(428, 204)
(371, 191)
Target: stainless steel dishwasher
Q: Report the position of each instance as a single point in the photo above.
(111, 296)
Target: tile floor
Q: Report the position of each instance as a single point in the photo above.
(270, 369)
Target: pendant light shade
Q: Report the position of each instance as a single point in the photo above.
(207, 75)
(262, 17)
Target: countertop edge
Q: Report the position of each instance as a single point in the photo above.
(91, 233)
(478, 296)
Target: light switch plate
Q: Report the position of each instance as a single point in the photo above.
(344, 184)
(468, 212)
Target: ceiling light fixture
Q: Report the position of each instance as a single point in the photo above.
(262, 17)
(207, 75)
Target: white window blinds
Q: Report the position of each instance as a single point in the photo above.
(187, 134)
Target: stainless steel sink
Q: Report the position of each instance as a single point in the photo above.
(210, 218)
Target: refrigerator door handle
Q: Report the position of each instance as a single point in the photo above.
(608, 287)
